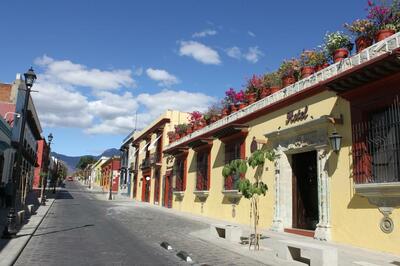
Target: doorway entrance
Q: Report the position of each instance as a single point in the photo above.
(305, 190)
(146, 187)
(167, 201)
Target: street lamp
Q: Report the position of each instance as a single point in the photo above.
(10, 229)
(336, 141)
(44, 180)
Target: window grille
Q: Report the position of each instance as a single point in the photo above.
(376, 147)
(202, 171)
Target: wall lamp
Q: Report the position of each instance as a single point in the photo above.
(335, 138)
(18, 115)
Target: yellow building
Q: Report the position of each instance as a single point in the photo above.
(336, 176)
(149, 164)
(95, 176)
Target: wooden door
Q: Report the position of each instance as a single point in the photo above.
(168, 191)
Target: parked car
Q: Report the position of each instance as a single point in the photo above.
(70, 178)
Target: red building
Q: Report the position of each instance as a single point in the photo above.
(111, 168)
(42, 162)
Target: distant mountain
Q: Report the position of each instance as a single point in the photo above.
(72, 161)
(109, 153)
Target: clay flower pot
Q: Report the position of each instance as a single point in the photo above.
(383, 34)
(288, 80)
(307, 71)
(340, 54)
(363, 42)
(225, 112)
(265, 92)
(177, 136)
(251, 97)
(233, 108)
(275, 89)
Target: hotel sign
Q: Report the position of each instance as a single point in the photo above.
(297, 115)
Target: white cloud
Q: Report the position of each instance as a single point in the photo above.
(67, 72)
(177, 100)
(253, 54)
(199, 52)
(61, 104)
(251, 34)
(204, 33)
(234, 52)
(164, 78)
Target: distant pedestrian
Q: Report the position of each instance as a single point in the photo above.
(9, 193)
(2, 195)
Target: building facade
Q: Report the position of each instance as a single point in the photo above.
(6, 152)
(316, 189)
(110, 170)
(150, 182)
(43, 157)
(96, 175)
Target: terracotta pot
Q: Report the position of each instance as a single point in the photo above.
(225, 112)
(177, 136)
(383, 34)
(275, 89)
(171, 138)
(189, 129)
(233, 108)
(251, 97)
(241, 106)
(288, 80)
(340, 54)
(363, 42)
(265, 92)
(213, 118)
(307, 71)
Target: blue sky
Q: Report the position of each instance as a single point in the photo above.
(100, 62)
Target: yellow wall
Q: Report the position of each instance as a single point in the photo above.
(354, 221)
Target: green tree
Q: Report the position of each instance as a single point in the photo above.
(84, 161)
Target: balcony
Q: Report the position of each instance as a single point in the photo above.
(146, 163)
(322, 77)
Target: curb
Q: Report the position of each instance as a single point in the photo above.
(15, 246)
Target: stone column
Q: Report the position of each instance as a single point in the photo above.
(323, 230)
(277, 222)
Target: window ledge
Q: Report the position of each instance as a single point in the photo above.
(178, 193)
(201, 193)
(232, 193)
(379, 190)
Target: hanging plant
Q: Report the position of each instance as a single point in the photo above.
(238, 166)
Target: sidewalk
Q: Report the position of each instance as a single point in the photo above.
(347, 255)
(10, 249)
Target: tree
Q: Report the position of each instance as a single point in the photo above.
(84, 161)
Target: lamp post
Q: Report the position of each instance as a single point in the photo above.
(10, 228)
(336, 141)
(44, 180)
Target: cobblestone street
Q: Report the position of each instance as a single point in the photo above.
(80, 229)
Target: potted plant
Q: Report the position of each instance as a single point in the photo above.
(181, 129)
(195, 120)
(212, 113)
(338, 45)
(289, 71)
(363, 31)
(308, 63)
(240, 100)
(171, 136)
(231, 99)
(253, 88)
(384, 18)
(272, 83)
(321, 60)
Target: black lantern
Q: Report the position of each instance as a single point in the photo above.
(30, 78)
(336, 141)
(50, 137)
